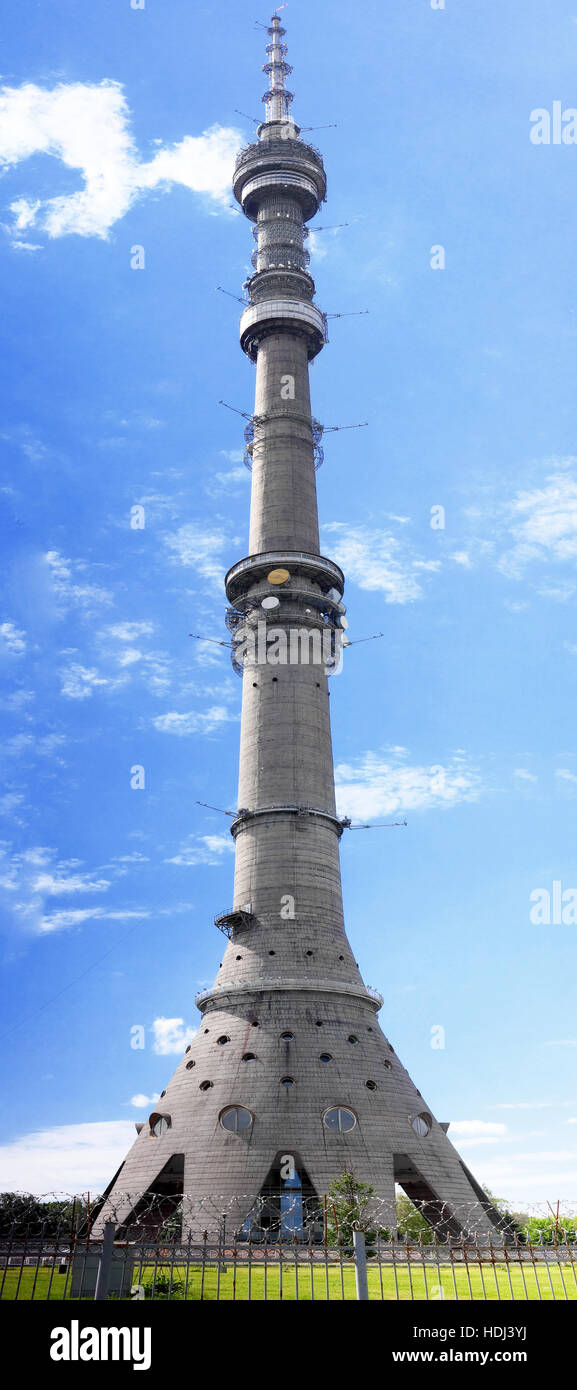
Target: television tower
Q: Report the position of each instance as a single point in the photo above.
(289, 1079)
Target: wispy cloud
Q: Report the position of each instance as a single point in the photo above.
(12, 639)
(69, 590)
(184, 725)
(65, 1158)
(87, 126)
(374, 785)
(197, 547)
(202, 849)
(376, 559)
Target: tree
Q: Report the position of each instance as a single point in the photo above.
(411, 1224)
(350, 1206)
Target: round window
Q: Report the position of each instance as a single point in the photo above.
(371, 1085)
(338, 1118)
(351, 1038)
(422, 1124)
(205, 1085)
(287, 1037)
(325, 1057)
(222, 1040)
(387, 1065)
(248, 1057)
(287, 1081)
(189, 1065)
(235, 1118)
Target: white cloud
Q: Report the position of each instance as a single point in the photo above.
(478, 1129)
(140, 1101)
(61, 921)
(66, 588)
(565, 775)
(129, 632)
(13, 639)
(375, 560)
(202, 849)
(373, 786)
(171, 1035)
(524, 775)
(67, 1158)
(79, 682)
(192, 723)
(195, 546)
(87, 127)
(78, 883)
(543, 523)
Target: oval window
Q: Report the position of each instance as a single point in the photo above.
(422, 1124)
(352, 1039)
(287, 1037)
(339, 1118)
(371, 1085)
(222, 1040)
(325, 1057)
(205, 1085)
(249, 1057)
(235, 1118)
(159, 1125)
(287, 1081)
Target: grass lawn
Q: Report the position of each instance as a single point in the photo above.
(488, 1282)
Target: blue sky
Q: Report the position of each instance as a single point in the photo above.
(118, 129)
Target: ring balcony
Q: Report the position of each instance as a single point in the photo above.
(275, 166)
(283, 316)
(254, 568)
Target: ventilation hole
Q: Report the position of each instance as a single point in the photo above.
(371, 1085)
(254, 685)
(206, 1030)
(239, 957)
(318, 685)
(319, 1023)
(287, 1081)
(341, 957)
(309, 953)
(369, 1030)
(275, 678)
(205, 1085)
(272, 953)
(255, 1023)
(222, 1040)
(388, 1065)
(248, 1057)
(391, 1049)
(187, 1049)
(325, 1057)
(189, 1065)
(351, 1038)
(163, 1093)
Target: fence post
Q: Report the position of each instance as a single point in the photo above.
(103, 1276)
(360, 1258)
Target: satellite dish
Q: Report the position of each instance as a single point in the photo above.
(279, 576)
(344, 622)
(270, 602)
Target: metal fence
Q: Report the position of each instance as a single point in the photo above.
(287, 1246)
(206, 1270)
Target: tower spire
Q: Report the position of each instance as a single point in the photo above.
(277, 98)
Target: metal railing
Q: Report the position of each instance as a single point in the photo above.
(231, 1270)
